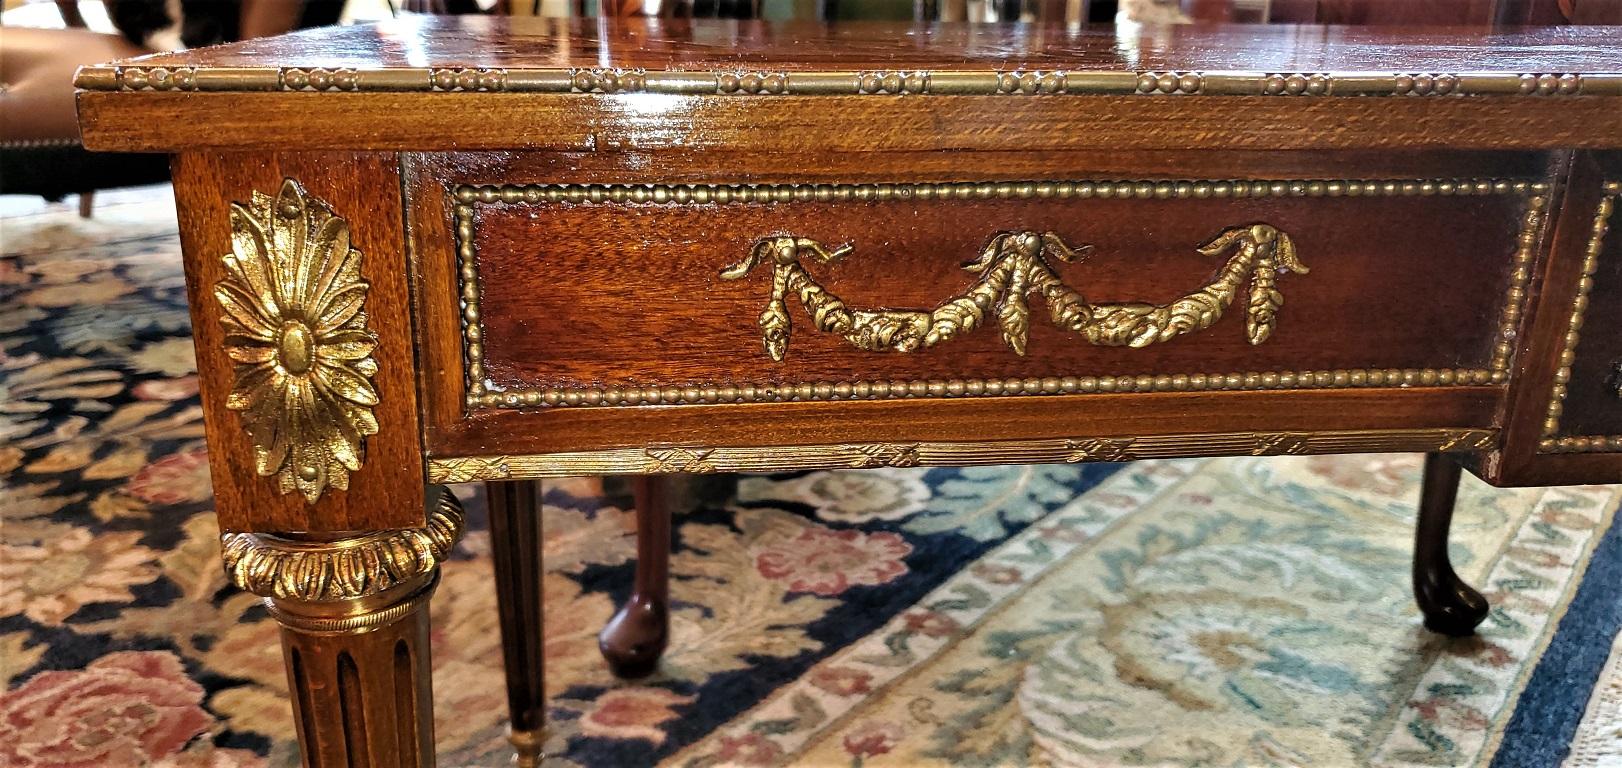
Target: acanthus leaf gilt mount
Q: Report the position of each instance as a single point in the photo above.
(293, 307)
(1012, 266)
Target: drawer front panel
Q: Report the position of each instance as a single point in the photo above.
(1585, 410)
(604, 295)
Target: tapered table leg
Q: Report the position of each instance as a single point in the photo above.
(515, 546)
(353, 610)
(1451, 606)
(636, 635)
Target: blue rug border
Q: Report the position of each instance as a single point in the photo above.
(1556, 696)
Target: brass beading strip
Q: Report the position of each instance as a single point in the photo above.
(480, 395)
(1550, 443)
(707, 459)
(608, 80)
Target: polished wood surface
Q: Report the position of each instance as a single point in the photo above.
(589, 329)
(363, 699)
(677, 44)
(734, 339)
(387, 491)
(1451, 606)
(636, 636)
(516, 544)
(175, 122)
(1551, 88)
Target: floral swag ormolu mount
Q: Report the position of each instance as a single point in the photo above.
(1012, 266)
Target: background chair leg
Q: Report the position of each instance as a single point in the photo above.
(1451, 606)
(636, 636)
(87, 204)
(515, 548)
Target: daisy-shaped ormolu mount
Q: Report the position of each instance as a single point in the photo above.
(295, 329)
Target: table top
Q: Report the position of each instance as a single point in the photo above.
(527, 42)
(593, 84)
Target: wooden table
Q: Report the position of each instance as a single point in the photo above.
(437, 251)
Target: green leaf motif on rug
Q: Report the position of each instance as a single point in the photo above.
(988, 503)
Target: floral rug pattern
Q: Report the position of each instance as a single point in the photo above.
(1229, 612)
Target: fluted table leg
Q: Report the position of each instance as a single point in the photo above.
(515, 548)
(353, 610)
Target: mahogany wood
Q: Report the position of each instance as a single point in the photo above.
(453, 431)
(516, 545)
(636, 635)
(387, 491)
(160, 122)
(686, 44)
(560, 310)
(1590, 403)
(363, 700)
(1450, 606)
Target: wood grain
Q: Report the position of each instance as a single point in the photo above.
(687, 44)
(1542, 338)
(453, 431)
(614, 295)
(387, 492)
(167, 122)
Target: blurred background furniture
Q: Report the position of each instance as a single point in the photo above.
(40, 153)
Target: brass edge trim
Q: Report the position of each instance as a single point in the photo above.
(707, 459)
(1550, 443)
(345, 569)
(479, 395)
(1033, 82)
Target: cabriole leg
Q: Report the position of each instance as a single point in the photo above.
(1451, 606)
(636, 636)
(353, 610)
(515, 547)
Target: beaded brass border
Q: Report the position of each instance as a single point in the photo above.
(743, 82)
(1550, 443)
(707, 459)
(479, 395)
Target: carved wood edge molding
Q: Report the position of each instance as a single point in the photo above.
(1020, 82)
(1551, 442)
(345, 569)
(482, 394)
(707, 459)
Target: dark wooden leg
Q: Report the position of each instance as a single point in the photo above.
(353, 611)
(1450, 606)
(515, 546)
(636, 636)
(87, 204)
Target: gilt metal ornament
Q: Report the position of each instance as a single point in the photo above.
(1012, 266)
(293, 308)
